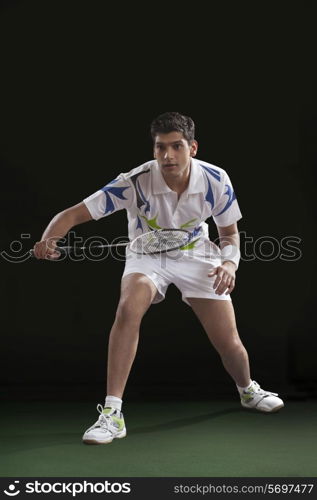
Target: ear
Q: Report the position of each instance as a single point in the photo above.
(193, 148)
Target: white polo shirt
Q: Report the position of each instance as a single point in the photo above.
(151, 204)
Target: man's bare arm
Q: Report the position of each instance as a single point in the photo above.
(58, 228)
(225, 273)
(229, 235)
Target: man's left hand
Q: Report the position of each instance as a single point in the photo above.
(225, 277)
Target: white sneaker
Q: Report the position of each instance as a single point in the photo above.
(258, 399)
(110, 425)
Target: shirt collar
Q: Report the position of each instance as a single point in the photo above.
(196, 179)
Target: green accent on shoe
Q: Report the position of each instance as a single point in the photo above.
(188, 224)
(246, 397)
(119, 421)
(107, 410)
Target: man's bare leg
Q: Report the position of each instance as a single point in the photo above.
(137, 293)
(218, 320)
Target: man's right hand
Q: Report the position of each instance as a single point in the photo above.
(45, 249)
(58, 227)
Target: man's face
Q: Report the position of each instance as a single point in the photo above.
(173, 153)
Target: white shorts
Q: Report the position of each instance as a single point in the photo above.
(187, 271)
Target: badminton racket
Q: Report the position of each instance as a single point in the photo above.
(152, 242)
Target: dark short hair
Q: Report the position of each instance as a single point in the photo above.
(173, 122)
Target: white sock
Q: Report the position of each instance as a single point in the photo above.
(113, 402)
(241, 389)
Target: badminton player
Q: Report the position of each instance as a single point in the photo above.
(174, 190)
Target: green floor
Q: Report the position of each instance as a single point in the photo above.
(205, 438)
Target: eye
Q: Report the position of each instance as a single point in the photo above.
(177, 146)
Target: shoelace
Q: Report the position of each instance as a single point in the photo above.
(257, 389)
(104, 421)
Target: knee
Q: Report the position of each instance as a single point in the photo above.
(232, 345)
(128, 313)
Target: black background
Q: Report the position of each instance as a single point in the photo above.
(81, 82)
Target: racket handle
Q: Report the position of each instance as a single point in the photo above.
(68, 250)
(61, 250)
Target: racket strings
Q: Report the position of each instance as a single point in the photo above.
(160, 241)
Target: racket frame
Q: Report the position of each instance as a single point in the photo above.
(67, 249)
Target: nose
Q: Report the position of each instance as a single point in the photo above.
(168, 153)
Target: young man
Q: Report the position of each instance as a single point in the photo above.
(174, 190)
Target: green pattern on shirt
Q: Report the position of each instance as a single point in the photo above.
(188, 224)
(152, 223)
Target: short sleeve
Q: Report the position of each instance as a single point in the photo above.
(226, 210)
(114, 196)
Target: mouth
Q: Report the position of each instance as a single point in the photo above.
(169, 165)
